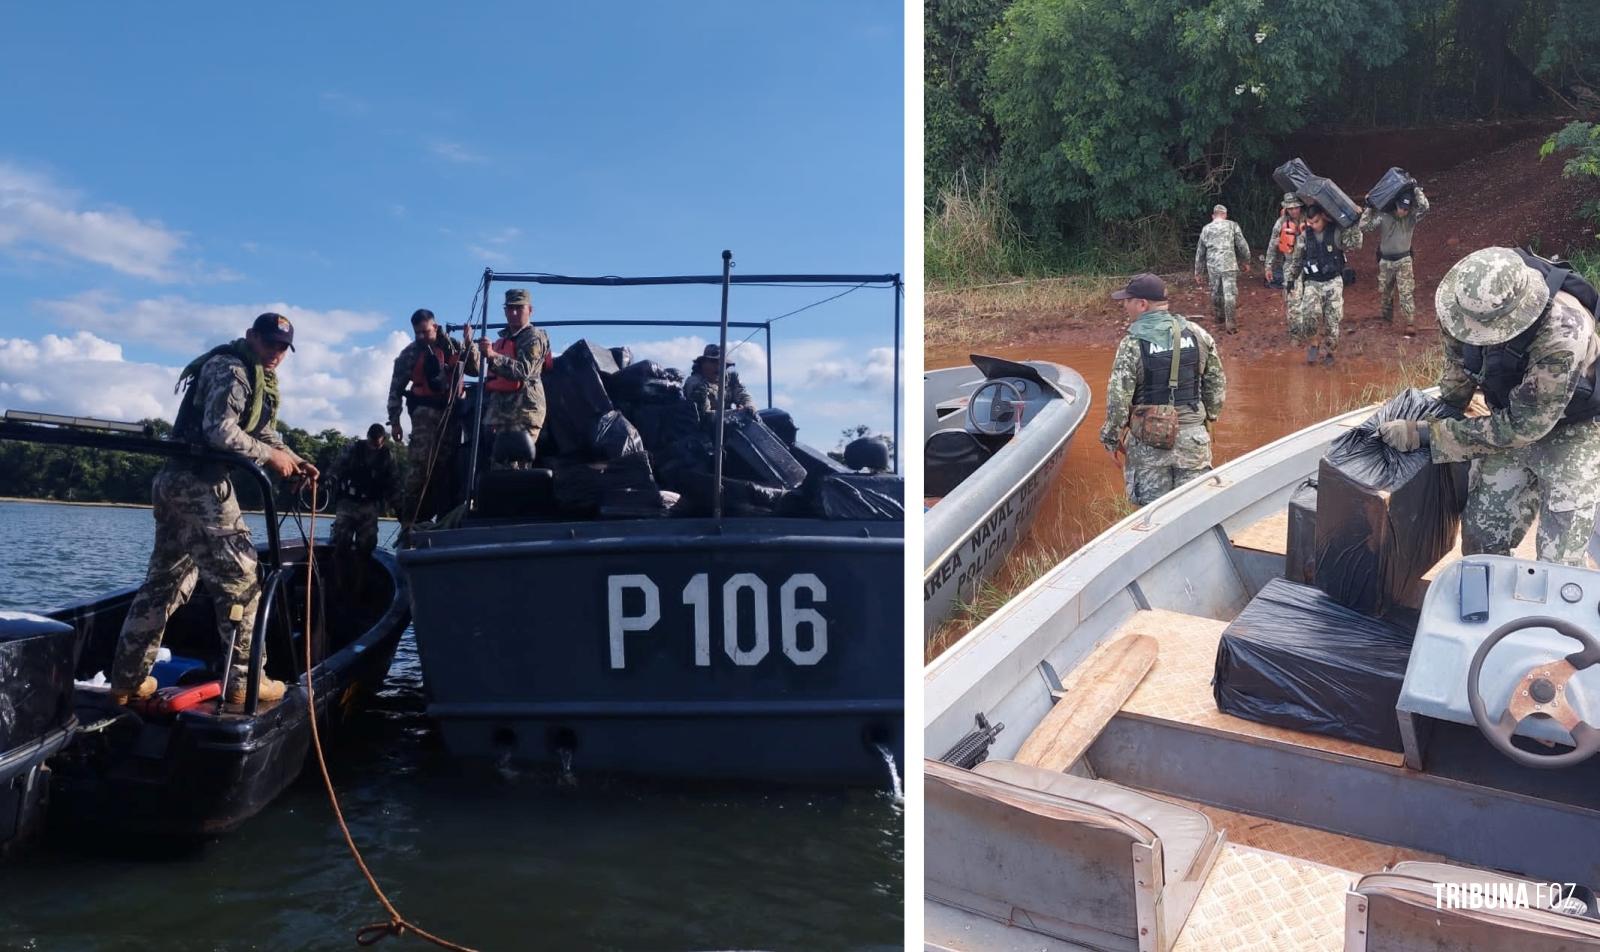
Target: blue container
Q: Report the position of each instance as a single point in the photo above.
(168, 673)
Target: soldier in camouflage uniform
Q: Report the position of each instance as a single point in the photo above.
(1396, 279)
(515, 405)
(1151, 472)
(1533, 355)
(1220, 254)
(1314, 283)
(701, 388)
(365, 477)
(1279, 245)
(230, 404)
(428, 366)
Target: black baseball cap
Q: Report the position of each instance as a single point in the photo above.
(275, 328)
(1146, 287)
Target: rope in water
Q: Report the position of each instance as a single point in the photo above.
(397, 925)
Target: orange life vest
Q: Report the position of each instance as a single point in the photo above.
(506, 347)
(420, 387)
(1286, 236)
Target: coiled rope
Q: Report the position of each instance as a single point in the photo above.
(373, 932)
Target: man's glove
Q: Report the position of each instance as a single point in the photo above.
(1404, 435)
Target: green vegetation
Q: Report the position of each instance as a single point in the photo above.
(1087, 136)
(76, 474)
(1582, 139)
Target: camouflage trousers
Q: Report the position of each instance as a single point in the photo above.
(426, 423)
(1151, 473)
(1317, 306)
(355, 524)
(1552, 479)
(200, 536)
(1397, 282)
(1225, 298)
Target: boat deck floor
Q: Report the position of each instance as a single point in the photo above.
(1303, 842)
(1259, 901)
(1178, 688)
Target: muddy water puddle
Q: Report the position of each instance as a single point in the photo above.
(1269, 396)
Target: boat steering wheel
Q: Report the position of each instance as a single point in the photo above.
(1542, 690)
(990, 429)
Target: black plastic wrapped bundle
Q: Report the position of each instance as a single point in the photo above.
(1385, 517)
(1389, 188)
(615, 437)
(1295, 658)
(756, 453)
(1300, 561)
(576, 394)
(1291, 175)
(1330, 198)
(645, 381)
(860, 496)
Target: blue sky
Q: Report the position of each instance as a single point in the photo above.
(169, 171)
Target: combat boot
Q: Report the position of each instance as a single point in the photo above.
(269, 690)
(146, 688)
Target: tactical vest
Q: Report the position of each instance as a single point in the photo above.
(428, 376)
(1499, 368)
(1291, 227)
(1156, 368)
(506, 347)
(1324, 259)
(187, 425)
(364, 478)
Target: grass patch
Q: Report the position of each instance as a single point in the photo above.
(970, 235)
(1012, 311)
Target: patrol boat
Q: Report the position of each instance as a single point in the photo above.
(37, 655)
(182, 763)
(1090, 794)
(744, 647)
(994, 437)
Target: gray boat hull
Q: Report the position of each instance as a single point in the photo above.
(967, 536)
(764, 649)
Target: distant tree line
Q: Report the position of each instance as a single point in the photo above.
(1075, 123)
(77, 474)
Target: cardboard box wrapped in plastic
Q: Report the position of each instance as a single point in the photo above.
(1385, 517)
(1295, 658)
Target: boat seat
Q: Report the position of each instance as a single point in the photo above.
(1400, 911)
(1085, 861)
(949, 456)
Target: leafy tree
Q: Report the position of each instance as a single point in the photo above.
(1113, 111)
(1582, 139)
(959, 132)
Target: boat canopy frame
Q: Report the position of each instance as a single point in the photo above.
(725, 280)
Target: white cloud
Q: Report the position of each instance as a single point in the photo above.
(492, 247)
(42, 221)
(337, 377)
(456, 152)
(83, 375)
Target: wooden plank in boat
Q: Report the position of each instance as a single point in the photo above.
(1103, 682)
(1178, 687)
(1257, 901)
(1265, 535)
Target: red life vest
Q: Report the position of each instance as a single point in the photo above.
(419, 375)
(1286, 236)
(506, 347)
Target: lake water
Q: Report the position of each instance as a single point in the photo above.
(484, 859)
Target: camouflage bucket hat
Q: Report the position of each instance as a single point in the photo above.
(1489, 297)
(1291, 200)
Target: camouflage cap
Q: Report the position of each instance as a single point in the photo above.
(1219, 209)
(1489, 297)
(1291, 200)
(518, 296)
